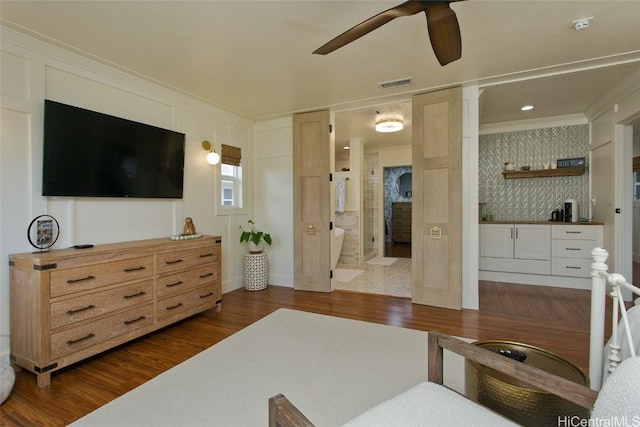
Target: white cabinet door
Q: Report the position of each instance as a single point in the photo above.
(532, 241)
(496, 240)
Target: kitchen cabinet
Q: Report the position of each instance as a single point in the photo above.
(522, 248)
(571, 249)
(540, 253)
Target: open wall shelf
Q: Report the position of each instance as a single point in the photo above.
(544, 172)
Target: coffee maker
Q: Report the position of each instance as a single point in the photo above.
(571, 210)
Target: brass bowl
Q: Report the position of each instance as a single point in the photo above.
(521, 403)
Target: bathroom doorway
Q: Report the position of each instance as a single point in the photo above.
(397, 211)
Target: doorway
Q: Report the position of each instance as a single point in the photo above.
(397, 211)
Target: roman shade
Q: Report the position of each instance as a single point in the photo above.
(231, 155)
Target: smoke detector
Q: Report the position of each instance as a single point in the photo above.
(582, 23)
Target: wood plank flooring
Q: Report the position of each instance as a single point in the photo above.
(551, 318)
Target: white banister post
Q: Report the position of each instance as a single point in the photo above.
(598, 299)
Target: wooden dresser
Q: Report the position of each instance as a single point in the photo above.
(401, 222)
(70, 304)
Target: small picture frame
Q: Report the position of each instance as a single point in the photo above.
(43, 232)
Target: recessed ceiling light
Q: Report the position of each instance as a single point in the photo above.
(526, 107)
(346, 147)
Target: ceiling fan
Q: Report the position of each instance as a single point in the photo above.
(442, 24)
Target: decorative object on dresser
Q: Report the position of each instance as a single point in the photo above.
(43, 232)
(401, 222)
(67, 305)
(189, 226)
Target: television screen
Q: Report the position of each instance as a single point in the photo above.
(90, 154)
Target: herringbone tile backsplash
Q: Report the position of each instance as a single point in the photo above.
(531, 199)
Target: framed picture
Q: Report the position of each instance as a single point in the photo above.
(43, 232)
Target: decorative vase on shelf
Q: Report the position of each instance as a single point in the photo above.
(255, 249)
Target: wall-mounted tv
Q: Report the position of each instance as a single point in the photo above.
(90, 154)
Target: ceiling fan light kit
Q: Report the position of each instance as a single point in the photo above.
(389, 125)
(442, 25)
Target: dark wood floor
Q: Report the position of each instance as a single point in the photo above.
(397, 250)
(551, 318)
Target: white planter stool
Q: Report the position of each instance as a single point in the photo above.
(256, 272)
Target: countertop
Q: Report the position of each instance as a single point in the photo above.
(544, 222)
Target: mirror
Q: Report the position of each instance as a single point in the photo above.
(404, 185)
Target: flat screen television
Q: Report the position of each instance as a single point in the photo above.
(90, 154)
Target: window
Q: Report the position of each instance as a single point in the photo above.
(231, 186)
(636, 186)
(230, 178)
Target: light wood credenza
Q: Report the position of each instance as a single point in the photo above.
(70, 304)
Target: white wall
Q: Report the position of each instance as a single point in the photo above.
(32, 71)
(273, 194)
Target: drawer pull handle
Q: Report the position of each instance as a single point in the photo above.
(572, 249)
(206, 255)
(81, 279)
(175, 261)
(135, 295)
(202, 276)
(174, 284)
(128, 322)
(573, 232)
(206, 295)
(71, 342)
(171, 307)
(78, 310)
(574, 268)
(129, 270)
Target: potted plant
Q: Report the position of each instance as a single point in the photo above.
(254, 238)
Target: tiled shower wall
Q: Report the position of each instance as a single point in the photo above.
(531, 199)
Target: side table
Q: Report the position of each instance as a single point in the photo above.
(256, 272)
(524, 405)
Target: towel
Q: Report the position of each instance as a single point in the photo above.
(340, 194)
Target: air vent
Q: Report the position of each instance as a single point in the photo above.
(396, 83)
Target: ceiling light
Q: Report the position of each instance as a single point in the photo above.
(389, 125)
(346, 147)
(526, 107)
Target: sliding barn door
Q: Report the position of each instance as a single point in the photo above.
(312, 153)
(437, 199)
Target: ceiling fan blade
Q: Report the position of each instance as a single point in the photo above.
(405, 9)
(444, 33)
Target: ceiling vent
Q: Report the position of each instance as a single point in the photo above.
(396, 83)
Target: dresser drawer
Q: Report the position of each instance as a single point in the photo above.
(572, 248)
(185, 280)
(81, 337)
(64, 282)
(86, 307)
(573, 232)
(573, 267)
(172, 261)
(177, 305)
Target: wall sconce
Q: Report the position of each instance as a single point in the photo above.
(212, 157)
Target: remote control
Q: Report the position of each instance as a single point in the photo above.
(513, 354)
(86, 246)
